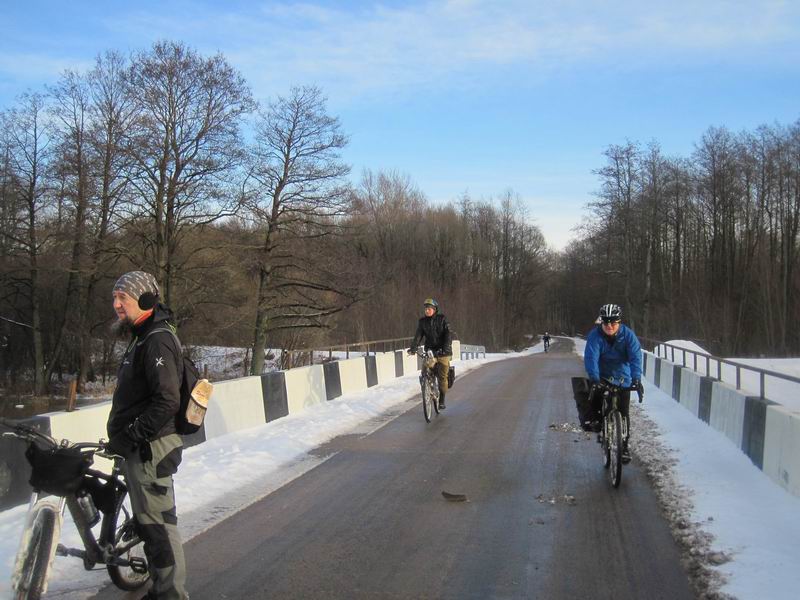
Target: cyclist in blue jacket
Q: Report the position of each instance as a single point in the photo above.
(613, 354)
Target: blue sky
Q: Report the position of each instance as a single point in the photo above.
(464, 96)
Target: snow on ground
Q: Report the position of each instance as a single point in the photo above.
(738, 529)
(226, 474)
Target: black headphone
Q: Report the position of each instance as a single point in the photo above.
(147, 300)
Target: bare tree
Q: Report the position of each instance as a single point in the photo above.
(27, 157)
(185, 142)
(297, 199)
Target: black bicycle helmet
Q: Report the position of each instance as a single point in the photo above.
(610, 313)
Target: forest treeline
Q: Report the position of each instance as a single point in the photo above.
(702, 247)
(244, 210)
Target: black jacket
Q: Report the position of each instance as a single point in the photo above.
(436, 333)
(147, 396)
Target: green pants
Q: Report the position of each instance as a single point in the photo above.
(153, 502)
(442, 367)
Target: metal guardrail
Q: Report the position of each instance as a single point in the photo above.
(472, 349)
(305, 356)
(731, 374)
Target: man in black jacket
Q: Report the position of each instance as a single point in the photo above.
(141, 426)
(433, 328)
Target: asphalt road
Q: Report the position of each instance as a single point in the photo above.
(541, 519)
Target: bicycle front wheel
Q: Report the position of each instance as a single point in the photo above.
(615, 443)
(119, 529)
(37, 550)
(427, 400)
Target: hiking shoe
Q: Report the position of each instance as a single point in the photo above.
(441, 405)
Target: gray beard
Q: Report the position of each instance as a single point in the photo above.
(122, 329)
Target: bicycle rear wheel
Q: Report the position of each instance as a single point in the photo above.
(37, 550)
(119, 529)
(615, 443)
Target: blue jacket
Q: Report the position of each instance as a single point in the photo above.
(617, 359)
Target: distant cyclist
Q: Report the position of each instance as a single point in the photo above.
(434, 330)
(613, 354)
(546, 340)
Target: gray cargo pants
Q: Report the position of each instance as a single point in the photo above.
(153, 502)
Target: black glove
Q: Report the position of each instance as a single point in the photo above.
(121, 444)
(411, 351)
(145, 452)
(637, 385)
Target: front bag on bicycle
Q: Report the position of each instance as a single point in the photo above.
(57, 471)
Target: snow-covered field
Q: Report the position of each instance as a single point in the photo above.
(782, 391)
(740, 532)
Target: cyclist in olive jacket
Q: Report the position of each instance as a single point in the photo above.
(433, 328)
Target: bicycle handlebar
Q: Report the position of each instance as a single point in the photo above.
(607, 385)
(30, 434)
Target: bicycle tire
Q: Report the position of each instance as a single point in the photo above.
(121, 535)
(435, 394)
(39, 553)
(616, 449)
(427, 400)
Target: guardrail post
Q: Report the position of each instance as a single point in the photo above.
(763, 381)
(738, 377)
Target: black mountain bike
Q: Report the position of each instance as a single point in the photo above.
(614, 430)
(429, 384)
(94, 499)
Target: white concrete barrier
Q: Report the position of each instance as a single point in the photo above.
(236, 404)
(409, 363)
(456, 351)
(665, 378)
(689, 394)
(87, 424)
(353, 375)
(305, 386)
(782, 447)
(727, 412)
(384, 362)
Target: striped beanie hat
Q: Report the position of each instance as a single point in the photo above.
(137, 283)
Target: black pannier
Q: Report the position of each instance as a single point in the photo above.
(581, 387)
(57, 471)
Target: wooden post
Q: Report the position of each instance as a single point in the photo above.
(73, 395)
(205, 371)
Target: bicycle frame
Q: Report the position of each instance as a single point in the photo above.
(39, 543)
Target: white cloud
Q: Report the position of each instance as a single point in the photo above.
(380, 48)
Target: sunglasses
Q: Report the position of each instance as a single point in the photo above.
(610, 321)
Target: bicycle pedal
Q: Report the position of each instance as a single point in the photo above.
(138, 565)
